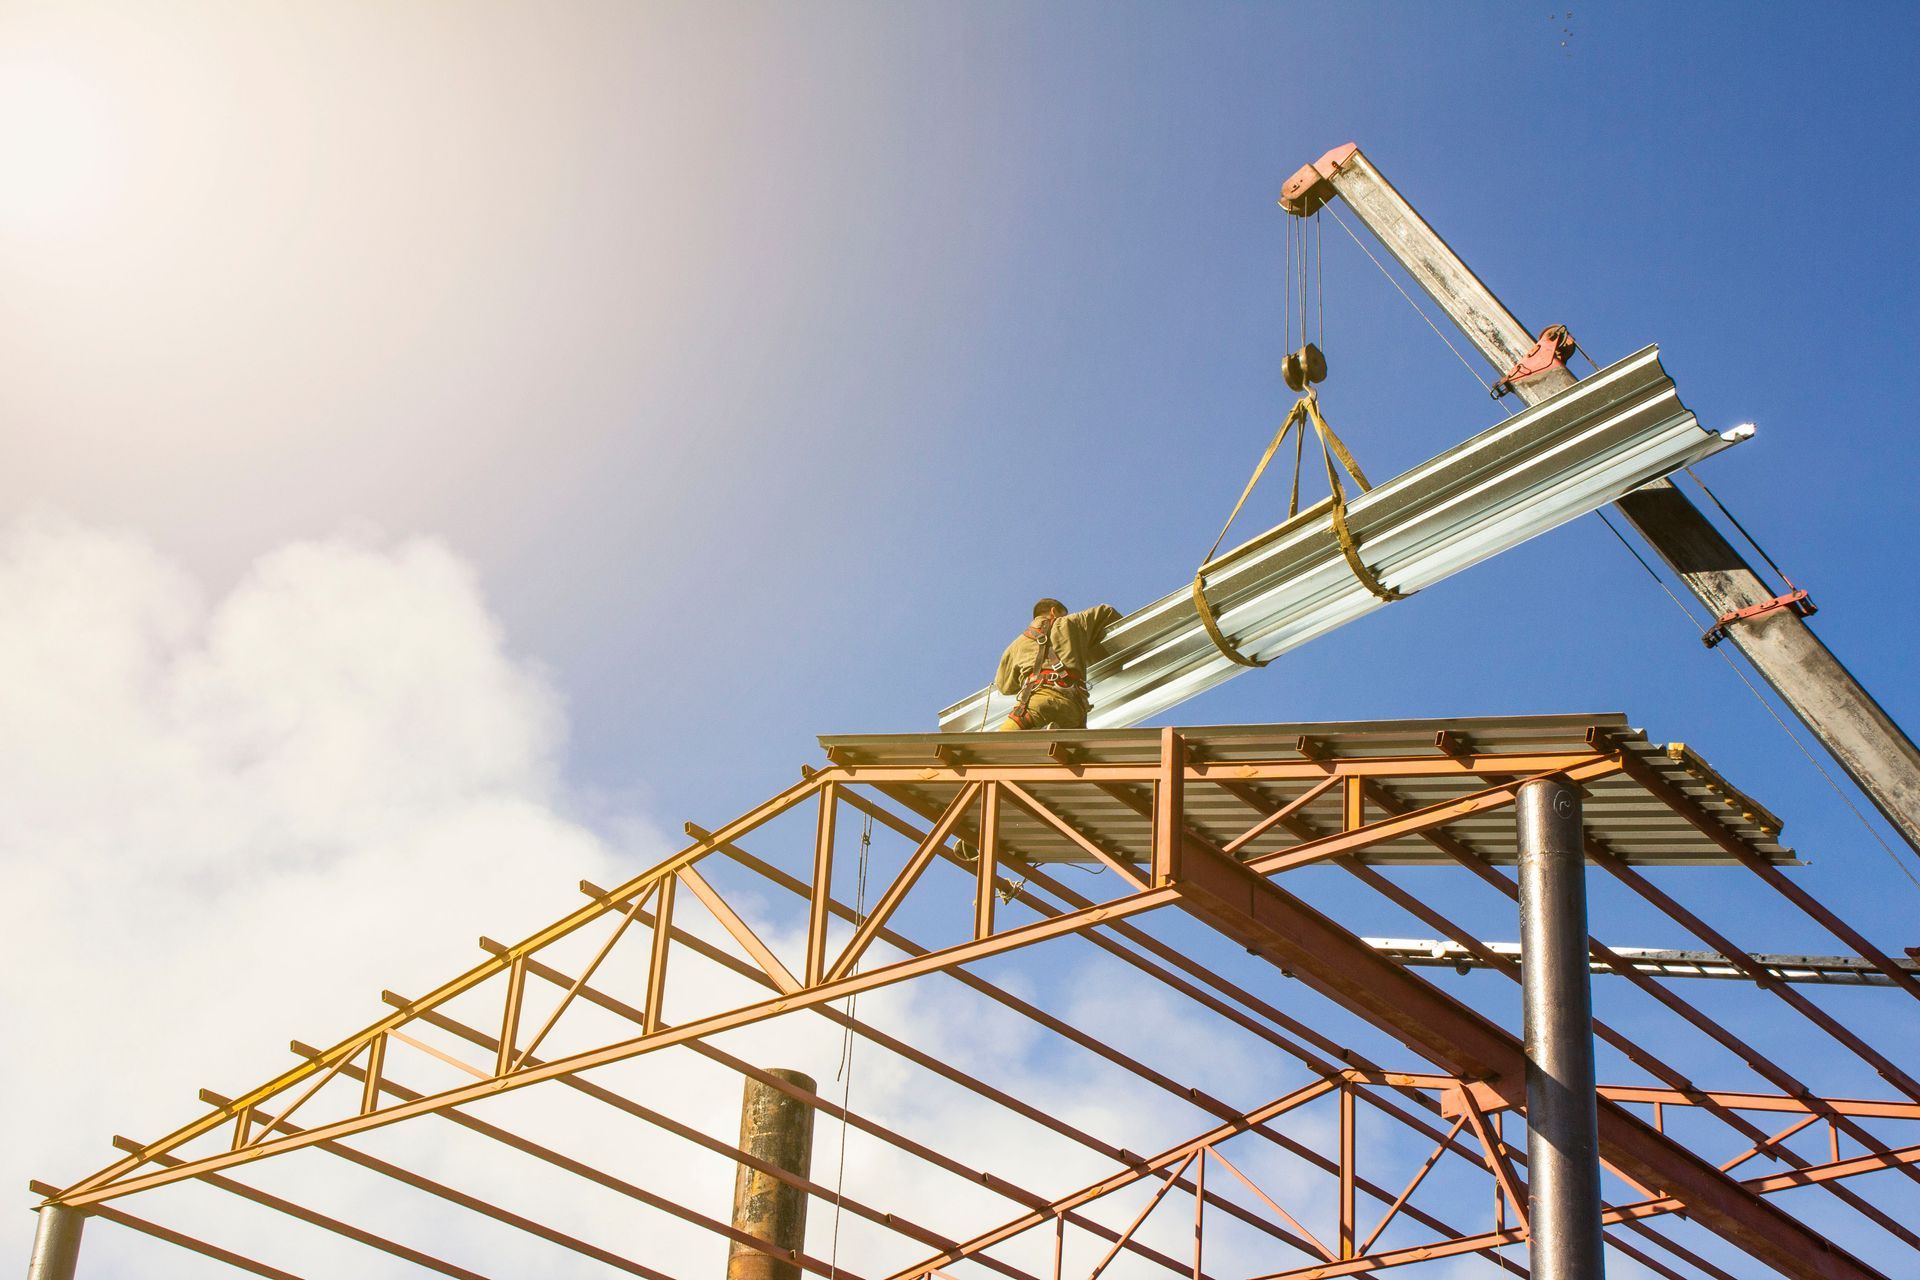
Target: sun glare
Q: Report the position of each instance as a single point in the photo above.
(59, 163)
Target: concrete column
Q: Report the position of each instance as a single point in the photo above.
(778, 1129)
(1563, 1145)
(56, 1243)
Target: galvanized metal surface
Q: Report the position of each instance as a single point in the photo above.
(1563, 1136)
(1635, 824)
(1561, 459)
(56, 1243)
(1833, 971)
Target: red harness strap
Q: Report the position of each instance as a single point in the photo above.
(1045, 674)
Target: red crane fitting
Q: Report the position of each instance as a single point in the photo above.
(1550, 352)
(1311, 186)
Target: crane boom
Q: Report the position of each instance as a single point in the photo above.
(1861, 737)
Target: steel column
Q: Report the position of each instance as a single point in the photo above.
(777, 1128)
(1563, 1142)
(56, 1243)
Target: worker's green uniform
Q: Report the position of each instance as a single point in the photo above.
(1073, 643)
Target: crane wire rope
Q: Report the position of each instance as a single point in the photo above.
(1305, 413)
(844, 1073)
(1758, 697)
(1686, 613)
(1438, 332)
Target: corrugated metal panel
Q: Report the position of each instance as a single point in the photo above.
(1563, 458)
(1630, 820)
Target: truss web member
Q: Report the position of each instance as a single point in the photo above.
(1046, 665)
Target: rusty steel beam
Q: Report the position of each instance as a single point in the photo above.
(314, 1218)
(1287, 933)
(750, 821)
(777, 1132)
(439, 1190)
(1320, 1066)
(1617, 1214)
(919, 1058)
(121, 1218)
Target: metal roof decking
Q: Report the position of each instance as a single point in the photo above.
(1563, 458)
(1409, 765)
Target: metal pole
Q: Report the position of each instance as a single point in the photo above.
(776, 1128)
(1563, 1146)
(56, 1243)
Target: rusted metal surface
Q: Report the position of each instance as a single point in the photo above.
(776, 1128)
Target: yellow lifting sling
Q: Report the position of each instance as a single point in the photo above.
(1305, 410)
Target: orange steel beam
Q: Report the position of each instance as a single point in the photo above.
(833, 1110)
(1286, 932)
(1515, 764)
(751, 820)
(1174, 1155)
(1319, 1065)
(1188, 1094)
(620, 1186)
(1465, 857)
(894, 1222)
(313, 1218)
(1756, 1187)
(1713, 829)
(1218, 1107)
(1875, 1214)
(486, 1209)
(1618, 868)
(887, 975)
(1418, 821)
(184, 1241)
(1870, 1107)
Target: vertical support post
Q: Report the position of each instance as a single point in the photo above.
(1563, 1145)
(1168, 804)
(1353, 802)
(510, 1014)
(56, 1243)
(1349, 1152)
(375, 1068)
(816, 968)
(657, 959)
(777, 1128)
(1200, 1211)
(989, 859)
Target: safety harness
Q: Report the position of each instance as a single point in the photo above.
(1047, 673)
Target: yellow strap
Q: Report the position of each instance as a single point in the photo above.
(1294, 417)
(1306, 409)
(1329, 445)
(1327, 437)
(1212, 625)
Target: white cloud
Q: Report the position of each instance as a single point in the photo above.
(228, 823)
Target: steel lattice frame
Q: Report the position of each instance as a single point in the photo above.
(956, 810)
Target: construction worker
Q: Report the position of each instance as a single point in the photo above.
(1046, 666)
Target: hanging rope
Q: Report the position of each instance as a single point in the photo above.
(845, 1072)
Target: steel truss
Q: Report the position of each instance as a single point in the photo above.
(955, 811)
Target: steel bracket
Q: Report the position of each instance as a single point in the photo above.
(1311, 185)
(1796, 601)
(1549, 352)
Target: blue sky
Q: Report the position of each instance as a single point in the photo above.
(766, 362)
